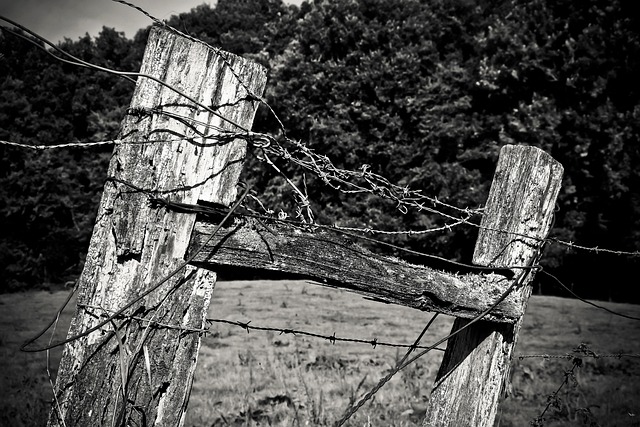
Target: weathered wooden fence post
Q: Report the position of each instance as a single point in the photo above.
(475, 367)
(138, 368)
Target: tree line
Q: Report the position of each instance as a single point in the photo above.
(424, 93)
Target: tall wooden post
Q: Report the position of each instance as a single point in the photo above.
(138, 368)
(475, 367)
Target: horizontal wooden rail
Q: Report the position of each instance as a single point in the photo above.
(336, 261)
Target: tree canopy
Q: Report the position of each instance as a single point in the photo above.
(423, 93)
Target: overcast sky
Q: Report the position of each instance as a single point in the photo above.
(56, 19)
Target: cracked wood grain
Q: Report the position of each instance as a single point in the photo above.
(338, 262)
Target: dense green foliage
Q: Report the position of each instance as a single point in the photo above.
(425, 93)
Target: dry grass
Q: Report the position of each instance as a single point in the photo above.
(265, 378)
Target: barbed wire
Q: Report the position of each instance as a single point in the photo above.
(253, 137)
(583, 349)
(73, 60)
(319, 165)
(261, 140)
(595, 249)
(41, 147)
(374, 342)
(322, 166)
(363, 181)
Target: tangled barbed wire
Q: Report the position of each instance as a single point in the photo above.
(296, 153)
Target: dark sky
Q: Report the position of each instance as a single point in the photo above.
(56, 19)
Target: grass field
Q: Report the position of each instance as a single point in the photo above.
(267, 378)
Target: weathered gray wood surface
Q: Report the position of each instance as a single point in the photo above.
(476, 364)
(338, 262)
(135, 245)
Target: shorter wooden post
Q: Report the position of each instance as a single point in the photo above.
(475, 367)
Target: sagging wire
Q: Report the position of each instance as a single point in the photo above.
(316, 164)
(378, 185)
(129, 74)
(576, 296)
